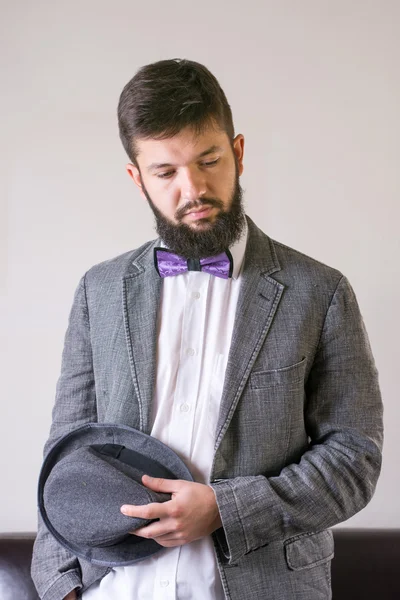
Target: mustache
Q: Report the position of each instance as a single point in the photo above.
(215, 202)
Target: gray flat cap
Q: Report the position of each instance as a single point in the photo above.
(88, 475)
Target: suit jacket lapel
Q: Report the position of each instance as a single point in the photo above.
(258, 301)
(141, 296)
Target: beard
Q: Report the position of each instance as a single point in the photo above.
(226, 229)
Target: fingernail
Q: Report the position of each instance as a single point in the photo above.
(124, 509)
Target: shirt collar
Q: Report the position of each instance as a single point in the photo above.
(237, 250)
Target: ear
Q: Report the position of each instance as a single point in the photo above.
(134, 172)
(238, 148)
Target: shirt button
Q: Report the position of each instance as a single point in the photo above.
(184, 407)
(196, 295)
(190, 352)
(164, 583)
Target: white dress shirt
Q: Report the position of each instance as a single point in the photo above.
(195, 325)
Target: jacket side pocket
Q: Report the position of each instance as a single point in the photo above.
(309, 550)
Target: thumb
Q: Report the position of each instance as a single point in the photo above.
(159, 484)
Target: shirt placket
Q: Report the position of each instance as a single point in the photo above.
(186, 395)
(165, 576)
(190, 360)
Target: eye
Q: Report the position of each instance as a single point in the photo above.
(210, 163)
(165, 175)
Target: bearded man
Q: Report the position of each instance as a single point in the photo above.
(246, 357)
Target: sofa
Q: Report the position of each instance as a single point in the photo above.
(365, 565)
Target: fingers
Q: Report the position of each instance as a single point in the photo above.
(170, 542)
(158, 484)
(191, 513)
(156, 530)
(154, 510)
(164, 533)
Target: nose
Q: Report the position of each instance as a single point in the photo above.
(193, 185)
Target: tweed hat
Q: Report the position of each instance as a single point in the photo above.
(88, 475)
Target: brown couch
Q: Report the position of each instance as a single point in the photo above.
(366, 565)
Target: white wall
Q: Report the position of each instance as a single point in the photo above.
(314, 87)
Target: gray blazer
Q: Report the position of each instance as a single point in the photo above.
(299, 436)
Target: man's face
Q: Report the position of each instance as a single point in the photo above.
(192, 185)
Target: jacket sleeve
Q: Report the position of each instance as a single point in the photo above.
(55, 571)
(336, 477)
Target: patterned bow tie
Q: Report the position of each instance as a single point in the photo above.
(167, 263)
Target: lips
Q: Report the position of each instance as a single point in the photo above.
(199, 214)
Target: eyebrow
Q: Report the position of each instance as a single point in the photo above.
(210, 150)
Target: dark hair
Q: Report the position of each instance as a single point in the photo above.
(166, 96)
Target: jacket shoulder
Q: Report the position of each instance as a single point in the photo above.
(288, 264)
(297, 263)
(114, 268)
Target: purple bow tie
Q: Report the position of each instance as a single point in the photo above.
(167, 263)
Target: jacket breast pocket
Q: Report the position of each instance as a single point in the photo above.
(309, 550)
(291, 375)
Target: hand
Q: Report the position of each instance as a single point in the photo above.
(71, 596)
(191, 514)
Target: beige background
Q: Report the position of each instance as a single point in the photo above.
(314, 87)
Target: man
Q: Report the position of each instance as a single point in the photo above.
(246, 357)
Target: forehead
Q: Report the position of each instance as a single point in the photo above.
(182, 148)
